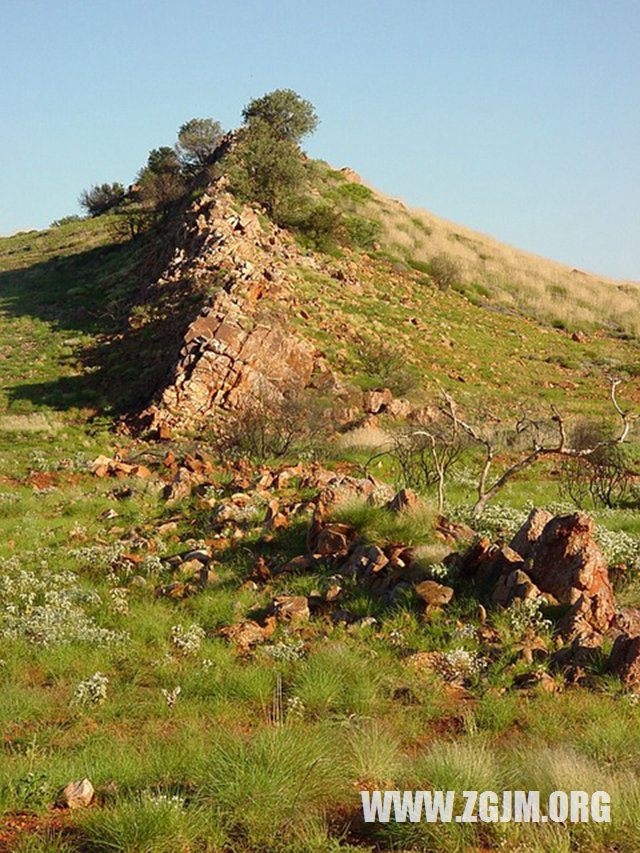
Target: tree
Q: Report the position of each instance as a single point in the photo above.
(162, 160)
(198, 140)
(267, 168)
(161, 181)
(289, 116)
(539, 450)
(99, 199)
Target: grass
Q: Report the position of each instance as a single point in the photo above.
(221, 770)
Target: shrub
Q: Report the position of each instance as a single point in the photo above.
(361, 232)
(355, 192)
(603, 477)
(444, 270)
(266, 168)
(319, 226)
(65, 220)
(99, 199)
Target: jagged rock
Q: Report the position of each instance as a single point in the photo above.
(374, 402)
(333, 540)
(291, 608)
(77, 795)
(452, 531)
(434, 594)
(567, 562)
(513, 587)
(405, 499)
(625, 660)
(233, 351)
(524, 540)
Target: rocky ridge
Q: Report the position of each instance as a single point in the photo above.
(239, 345)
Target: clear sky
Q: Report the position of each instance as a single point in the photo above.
(519, 118)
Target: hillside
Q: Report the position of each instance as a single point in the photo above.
(494, 273)
(228, 597)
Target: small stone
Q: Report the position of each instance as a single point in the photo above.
(434, 594)
(77, 795)
(291, 608)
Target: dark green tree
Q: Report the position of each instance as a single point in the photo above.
(101, 198)
(163, 159)
(198, 140)
(289, 116)
(266, 168)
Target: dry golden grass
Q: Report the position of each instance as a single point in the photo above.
(501, 274)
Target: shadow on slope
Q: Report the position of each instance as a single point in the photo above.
(115, 365)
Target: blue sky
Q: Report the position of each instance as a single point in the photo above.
(520, 119)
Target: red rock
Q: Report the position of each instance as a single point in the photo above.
(625, 660)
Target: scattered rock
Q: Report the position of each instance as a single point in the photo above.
(77, 795)
(404, 500)
(434, 594)
(291, 608)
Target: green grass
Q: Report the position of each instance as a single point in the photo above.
(222, 771)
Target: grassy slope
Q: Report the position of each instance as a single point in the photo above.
(495, 273)
(357, 714)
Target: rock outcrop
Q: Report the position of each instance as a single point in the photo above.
(239, 346)
(555, 557)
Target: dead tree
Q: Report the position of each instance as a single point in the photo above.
(539, 451)
(430, 452)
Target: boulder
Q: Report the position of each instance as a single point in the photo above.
(567, 562)
(624, 660)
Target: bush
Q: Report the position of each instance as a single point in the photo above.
(269, 428)
(355, 192)
(444, 270)
(603, 477)
(66, 220)
(319, 226)
(99, 199)
(361, 232)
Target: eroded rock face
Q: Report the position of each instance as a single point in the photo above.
(238, 348)
(524, 540)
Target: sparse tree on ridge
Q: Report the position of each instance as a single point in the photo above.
(287, 114)
(101, 198)
(198, 140)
